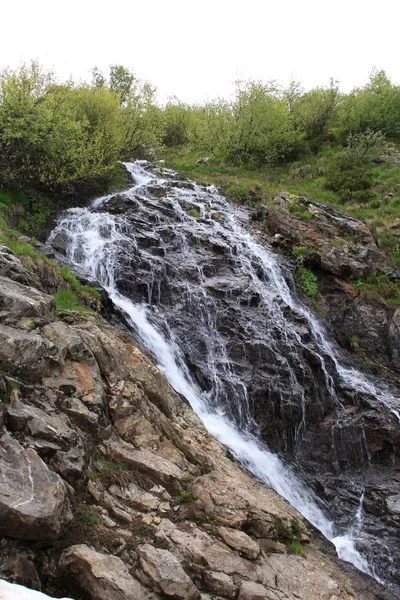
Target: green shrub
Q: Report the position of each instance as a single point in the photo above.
(194, 212)
(307, 282)
(350, 182)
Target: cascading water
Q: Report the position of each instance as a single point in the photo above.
(209, 302)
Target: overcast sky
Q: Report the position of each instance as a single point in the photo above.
(196, 50)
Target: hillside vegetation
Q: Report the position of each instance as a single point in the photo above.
(338, 148)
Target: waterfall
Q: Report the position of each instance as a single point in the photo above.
(180, 263)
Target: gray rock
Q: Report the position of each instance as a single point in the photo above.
(20, 302)
(101, 576)
(166, 573)
(34, 503)
(240, 541)
(219, 583)
(12, 267)
(249, 590)
(25, 353)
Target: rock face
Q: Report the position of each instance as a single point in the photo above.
(33, 500)
(101, 576)
(114, 490)
(339, 247)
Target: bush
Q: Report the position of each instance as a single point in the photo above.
(350, 182)
(307, 282)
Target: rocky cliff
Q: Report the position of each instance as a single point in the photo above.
(111, 488)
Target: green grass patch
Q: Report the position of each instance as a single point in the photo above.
(295, 547)
(68, 300)
(307, 282)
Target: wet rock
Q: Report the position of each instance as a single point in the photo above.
(34, 501)
(60, 242)
(165, 573)
(119, 204)
(240, 541)
(101, 576)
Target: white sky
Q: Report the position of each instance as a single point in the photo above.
(196, 50)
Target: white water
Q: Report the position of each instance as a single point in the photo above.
(95, 242)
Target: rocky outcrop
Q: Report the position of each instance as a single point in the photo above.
(341, 250)
(114, 489)
(34, 501)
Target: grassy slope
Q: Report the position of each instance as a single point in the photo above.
(305, 177)
(69, 293)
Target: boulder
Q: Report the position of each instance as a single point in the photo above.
(219, 583)
(20, 304)
(25, 353)
(249, 590)
(34, 501)
(166, 573)
(12, 267)
(22, 571)
(39, 424)
(240, 541)
(101, 576)
(162, 469)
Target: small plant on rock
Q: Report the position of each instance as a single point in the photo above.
(307, 282)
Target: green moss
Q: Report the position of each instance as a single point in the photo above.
(193, 212)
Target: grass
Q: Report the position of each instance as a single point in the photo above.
(184, 496)
(295, 547)
(87, 516)
(31, 258)
(378, 287)
(68, 300)
(303, 177)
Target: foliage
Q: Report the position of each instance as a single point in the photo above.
(52, 133)
(68, 300)
(307, 282)
(376, 107)
(379, 287)
(300, 253)
(184, 496)
(295, 547)
(350, 182)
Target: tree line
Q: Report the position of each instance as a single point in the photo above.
(52, 133)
